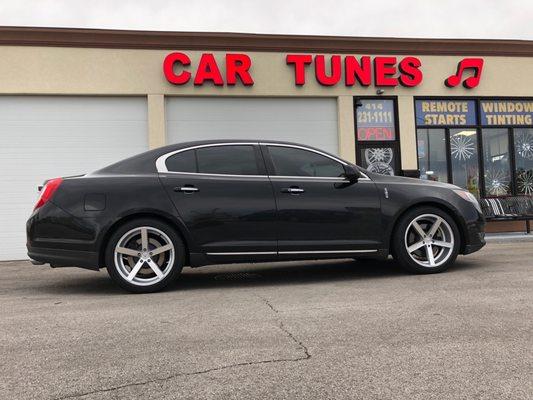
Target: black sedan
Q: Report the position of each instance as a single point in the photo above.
(217, 202)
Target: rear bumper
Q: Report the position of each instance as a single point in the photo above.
(57, 238)
(64, 258)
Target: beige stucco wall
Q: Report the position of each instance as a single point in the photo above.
(80, 71)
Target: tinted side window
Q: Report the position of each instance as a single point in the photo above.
(182, 162)
(289, 161)
(233, 160)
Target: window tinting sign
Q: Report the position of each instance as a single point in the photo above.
(445, 112)
(375, 120)
(507, 112)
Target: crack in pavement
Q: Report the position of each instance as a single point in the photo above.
(306, 355)
(300, 344)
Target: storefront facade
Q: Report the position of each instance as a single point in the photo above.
(72, 101)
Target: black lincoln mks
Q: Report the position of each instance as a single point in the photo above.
(217, 202)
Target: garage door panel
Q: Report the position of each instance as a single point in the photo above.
(309, 121)
(44, 137)
(251, 109)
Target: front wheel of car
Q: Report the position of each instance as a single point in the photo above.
(144, 255)
(426, 240)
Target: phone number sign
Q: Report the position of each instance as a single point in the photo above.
(375, 120)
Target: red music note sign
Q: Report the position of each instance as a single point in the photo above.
(476, 64)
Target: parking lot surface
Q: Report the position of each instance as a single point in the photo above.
(306, 330)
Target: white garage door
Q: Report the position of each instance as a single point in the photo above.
(46, 137)
(308, 121)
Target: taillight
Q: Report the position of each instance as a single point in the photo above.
(48, 191)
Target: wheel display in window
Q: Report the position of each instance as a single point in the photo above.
(379, 154)
(524, 145)
(381, 168)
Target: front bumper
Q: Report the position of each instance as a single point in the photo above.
(475, 236)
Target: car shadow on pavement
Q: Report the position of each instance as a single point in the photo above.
(248, 275)
(292, 273)
(285, 273)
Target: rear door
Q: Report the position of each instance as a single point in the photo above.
(225, 199)
(320, 212)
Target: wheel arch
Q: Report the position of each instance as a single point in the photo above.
(143, 214)
(447, 208)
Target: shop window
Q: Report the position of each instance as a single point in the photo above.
(496, 162)
(488, 144)
(376, 135)
(464, 159)
(431, 144)
(523, 144)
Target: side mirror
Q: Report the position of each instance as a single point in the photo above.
(351, 173)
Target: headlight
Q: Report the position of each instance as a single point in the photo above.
(469, 197)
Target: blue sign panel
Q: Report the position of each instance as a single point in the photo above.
(507, 112)
(445, 112)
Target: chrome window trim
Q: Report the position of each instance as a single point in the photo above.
(215, 175)
(304, 148)
(309, 178)
(161, 166)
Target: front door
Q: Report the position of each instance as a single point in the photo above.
(320, 212)
(222, 194)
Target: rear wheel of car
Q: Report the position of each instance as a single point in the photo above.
(144, 255)
(426, 240)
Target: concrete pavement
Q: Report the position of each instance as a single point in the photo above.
(306, 330)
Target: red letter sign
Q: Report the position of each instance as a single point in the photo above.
(411, 75)
(208, 71)
(384, 67)
(168, 68)
(299, 61)
(353, 70)
(320, 70)
(238, 65)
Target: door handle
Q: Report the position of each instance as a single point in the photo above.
(186, 189)
(293, 190)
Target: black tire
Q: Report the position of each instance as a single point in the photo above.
(399, 248)
(174, 269)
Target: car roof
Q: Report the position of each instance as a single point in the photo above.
(145, 162)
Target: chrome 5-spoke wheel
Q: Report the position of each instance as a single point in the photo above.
(426, 240)
(144, 255)
(429, 240)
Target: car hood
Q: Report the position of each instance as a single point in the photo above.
(384, 179)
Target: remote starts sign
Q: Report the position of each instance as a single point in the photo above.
(331, 70)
